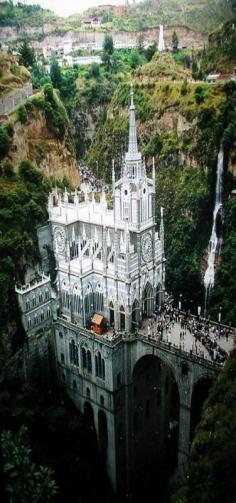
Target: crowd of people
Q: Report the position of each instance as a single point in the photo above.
(204, 333)
(93, 183)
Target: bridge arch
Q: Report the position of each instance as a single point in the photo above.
(155, 405)
(199, 395)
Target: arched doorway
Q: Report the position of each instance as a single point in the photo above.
(155, 421)
(122, 318)
(147, 299)
(103, 434)
(111, 313)
(199, 395)
(135, 315)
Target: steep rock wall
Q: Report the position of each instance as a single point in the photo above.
(35, 142)
(187, 37)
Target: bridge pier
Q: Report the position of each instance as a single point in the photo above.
(184, 426)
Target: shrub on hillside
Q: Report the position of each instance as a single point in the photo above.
(5, 141)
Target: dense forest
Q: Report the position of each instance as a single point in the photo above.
(182, 121)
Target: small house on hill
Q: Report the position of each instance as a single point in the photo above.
(212, 78)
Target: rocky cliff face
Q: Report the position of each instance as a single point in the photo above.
(33, 141)
(187, 37)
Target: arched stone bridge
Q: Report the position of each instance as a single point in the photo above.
(126, 384)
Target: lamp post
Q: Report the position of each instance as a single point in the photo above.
(180, 301)
(219, 316)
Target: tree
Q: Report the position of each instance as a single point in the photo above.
(95, 70)
(22, 114)
(108, 49)
(107, 16)
(27, 55)
(150, 51)
(108, 45)
(135, 59)
(25, 481)
(5, 142)
(175, 41)
(55, 73)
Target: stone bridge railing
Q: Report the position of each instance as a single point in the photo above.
(10, 103)
(111, 341)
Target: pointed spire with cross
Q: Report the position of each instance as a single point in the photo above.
(133, 144)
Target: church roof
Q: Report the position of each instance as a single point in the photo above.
(97, 319)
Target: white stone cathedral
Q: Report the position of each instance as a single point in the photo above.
(110, 261)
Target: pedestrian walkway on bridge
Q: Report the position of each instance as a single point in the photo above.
(195, 336)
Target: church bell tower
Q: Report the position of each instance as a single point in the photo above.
(134, 192)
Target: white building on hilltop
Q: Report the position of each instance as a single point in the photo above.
(110, 261)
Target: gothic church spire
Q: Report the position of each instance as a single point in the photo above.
(133, 144)
(133, 153)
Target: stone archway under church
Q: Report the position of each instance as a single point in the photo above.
(155, 421)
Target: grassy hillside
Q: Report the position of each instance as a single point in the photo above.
(220, 55)
(200, 15)
(12, 75)
(203, 15)
(20, 14)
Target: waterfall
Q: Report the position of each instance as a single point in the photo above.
(209, 278)
(161, 43)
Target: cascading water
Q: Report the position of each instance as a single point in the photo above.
(161, 43)
(209, 277)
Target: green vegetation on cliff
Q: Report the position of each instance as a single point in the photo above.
(200, 15)
(224, 293)
(220, 54)
(22, 195)
(12, 75)
(210, 474)
(20, 14)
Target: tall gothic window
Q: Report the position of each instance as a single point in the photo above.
(74, 355)
(86, 360)
(126, 210)
(99, 366)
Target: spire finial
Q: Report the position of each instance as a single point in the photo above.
(133, 145)
(131, 94)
